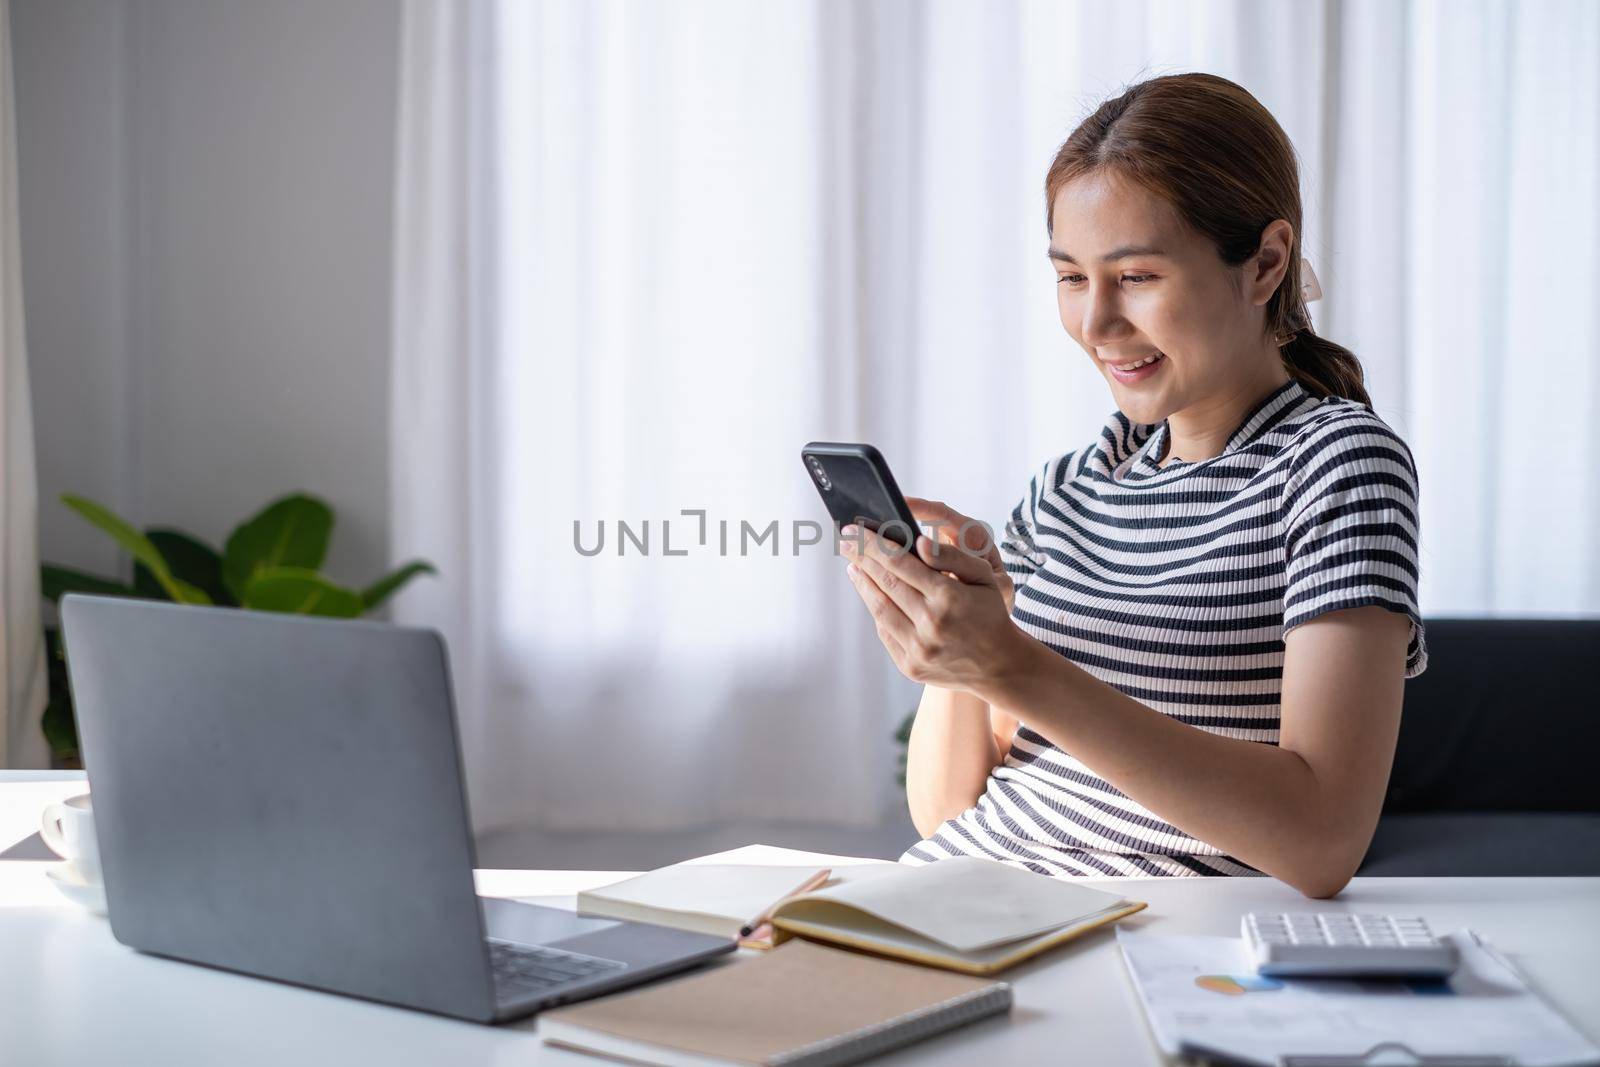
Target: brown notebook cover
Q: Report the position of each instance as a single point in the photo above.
(802, 1004)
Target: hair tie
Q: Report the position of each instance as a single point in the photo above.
(1310, 288)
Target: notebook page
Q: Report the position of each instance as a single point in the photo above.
(970, 904)
(829, 921)
(731, 892)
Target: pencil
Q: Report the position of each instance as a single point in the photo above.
(810, 883)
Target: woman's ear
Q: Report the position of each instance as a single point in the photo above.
(1265, 271)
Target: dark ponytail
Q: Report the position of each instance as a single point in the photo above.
(1324, 368)
(1209, 148)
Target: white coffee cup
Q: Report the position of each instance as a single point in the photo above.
(68, 828)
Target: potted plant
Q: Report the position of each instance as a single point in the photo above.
(270, 562)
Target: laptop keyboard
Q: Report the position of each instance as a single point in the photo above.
(530, 968)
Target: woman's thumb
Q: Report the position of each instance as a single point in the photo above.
(972, 569)
(943, 520)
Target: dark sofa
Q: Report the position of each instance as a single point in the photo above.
(1497, 771)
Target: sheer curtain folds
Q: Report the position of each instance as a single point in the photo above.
(22, 662)
(646, 251)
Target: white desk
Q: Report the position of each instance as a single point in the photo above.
(69, 994)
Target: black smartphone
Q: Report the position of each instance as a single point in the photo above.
(855, 484)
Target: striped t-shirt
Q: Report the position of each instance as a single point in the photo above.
(1176, 585)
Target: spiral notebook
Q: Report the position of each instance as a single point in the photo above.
(800, 1005)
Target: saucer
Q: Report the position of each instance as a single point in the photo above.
(66, 877)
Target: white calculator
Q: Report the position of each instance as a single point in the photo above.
(1335, 944)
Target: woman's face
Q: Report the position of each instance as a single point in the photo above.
(1135, 282)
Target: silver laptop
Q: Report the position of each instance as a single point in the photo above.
(282, 796)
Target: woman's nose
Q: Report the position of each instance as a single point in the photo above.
(1102, 321)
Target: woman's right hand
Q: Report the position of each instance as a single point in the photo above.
(946, 525)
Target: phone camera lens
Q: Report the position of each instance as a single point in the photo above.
(820, 474)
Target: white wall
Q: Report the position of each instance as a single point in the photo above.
(69, 79)
(205, 201)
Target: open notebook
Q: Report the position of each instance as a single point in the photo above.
(972, 915)
(964, 914)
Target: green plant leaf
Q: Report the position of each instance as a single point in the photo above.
(192, 594)
(138, 546)
(389, 584)
(56, 582)
(301, 591)
(190, 560)
(59, 726)
(290, 532)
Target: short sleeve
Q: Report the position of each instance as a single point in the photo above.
(1350, 536)
(1019, 549)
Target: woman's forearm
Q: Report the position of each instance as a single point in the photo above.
(949, 757)
(1257, 802)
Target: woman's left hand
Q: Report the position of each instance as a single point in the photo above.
(939, 610)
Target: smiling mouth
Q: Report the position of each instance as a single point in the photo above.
(1136, 364)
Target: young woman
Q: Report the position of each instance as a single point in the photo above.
(1187, 654)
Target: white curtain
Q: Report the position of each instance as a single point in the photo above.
(442, 447)
(22, 663)
(646, 251)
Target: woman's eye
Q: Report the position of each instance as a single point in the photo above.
(1070, 279)
(1138, 279)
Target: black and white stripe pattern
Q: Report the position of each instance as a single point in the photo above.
(1176, 585)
